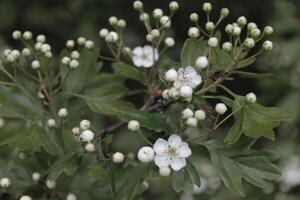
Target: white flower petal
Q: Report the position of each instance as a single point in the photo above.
(177, 163)
(137, 61)
(160, 146)
(174, 141)
(177, 84)
(161, 161)
(183, 150)
(148, 63)
(138, 51)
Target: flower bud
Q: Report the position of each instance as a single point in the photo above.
(267, 45)
(71, 196)
(209, 26)
(174, 93)
(45, 48)
(202, 62)
(81, 41)
(221, 108)
(27, 35)
(268, 30)
(242, 21)
(207, 7)
(70, 44)
(89, 44)
(5, 182)
(133, 125)
(38, 46)
(51, 123)
(227, 46)
(65, 60)
(11, 59)
(236, 31)
(35, 64)
(25, 197)
(192, 122)
(118, 157)
(26, 52)
(103, 32)
(87, 136)
(155, 33)
(157, 13)
(76, 131)
(165, 94)
(186, 92)
(194, 17)
(224, 12)
(112, 37)
(41, 38)
(173, 6)
(144, 17)
(171, 75)
(165, 21)
(6, 52)
(62, 113)
(90, 147)
(169, 42)
(251, 26)
(251, 97)
(255, 33)
(16, 35)
(15, 53)
(187, 113)
(75, 54)
(213, 42)
(164, 171)
(200, 114)
(149, 38)
(36, 176)
(2, 122)
(138, 5)
(73, 64)
(113, 20)
(22, 155)
(229, 29)
(121, 23)
(193, 32)
(145, 154)
(50, 184)
(85, 124)
(249, 43)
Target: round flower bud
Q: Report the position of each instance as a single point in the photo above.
(249, 43)
(118, 157)
(221, 108)
(236, 31)
(112, 37)
(35, 64)
(187, 113)
(164, 171)
(157, 13)
(251, 97)
(210, 26)
(36, 176)
(11, 58)
(25, 197)
(202, 62)
(173, 6)
(133, 125)
(192, 122)
(138, 5)
(213, 42)
(127, 50)
(41, 38)
(81, 41)
(224, 12)
(65, 60)
(5, 182)
(242, 21)
(121, 23)
(27, 35)
(113, 20)
(255, 33)
(71, 196)
(45, 48)
(50, 184)
(207, 7)
(103, 32)
(165, 21)
(41, 95)
(186, 92)
(268, 30)
(62, 113)
(149, 38)
(155, 33)
(229, 29)
(2, 122)
(251, 26)
(194, 17)
(85, 124)
(38, 46)
(267, 45)
(87, 136)
(75, 54)
(89, 44)
(171, 75)
(90, 147)
(73, 64)
(169, 42)
(200, 114)
(145, 154)
(227, 46)
(51, 123)
(174, 93)
(16, 35)
(76, 131)
(70, 44)
(193, 32)
(15, 53)
(48, 54)
(144, 17)
(6, 52)
(165, 94)
(26, 52)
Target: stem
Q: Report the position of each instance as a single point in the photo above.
(144, 137)
(227, 90)
(226, 118)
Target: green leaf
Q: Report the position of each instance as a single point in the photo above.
(99, 172)
(66, 163)
(129, 71)
(220, 59)
(235, 164)
(192, 49)
(251, 74)
(185, 179)
(245, 63)
(193, 173)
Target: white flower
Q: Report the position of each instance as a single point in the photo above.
(50, 184)
(251, 97)
(62, 113)
(25, 197)
(186, 92)
(118, 157)
(36, 176)
(221, 108)
(51, 123)
(200, 114)
(90, 147)
(133, 125)
(213, 42)
(164, 171)
(172, 152)
(5, 182)
(186, 113)
(71, 196)
(202, 62)
(144, 56)
(171, 75)
(87, 136)
(85, 124)
(146, 154)
(187, 77)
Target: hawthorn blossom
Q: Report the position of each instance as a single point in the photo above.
(171, 153)
(144, 56)
(187, 76)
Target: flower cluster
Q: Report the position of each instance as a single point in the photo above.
(193, 117)
(85, 135)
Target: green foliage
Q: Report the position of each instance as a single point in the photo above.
(128, 71)
(191, 50)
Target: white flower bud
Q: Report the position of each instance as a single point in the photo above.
(73, 64)
(209, 26)
(2, 122)
(87, 136)
(71, 196)
(155, 33)
(48, 54)
(133, 125)
(267, 45)
(51, 123)
(171, 75)
(221, 108)
(164, 171)
(165, 21)
(5, 182)
(27, 35)
(186, 92)
(50, 184)
(251, 97)
(192, 122)
(249, 43)
(103, 32)
(251, 26)
(36, 176)
(144, 17)
(194, 17)
(62, 113)
(118, 157)
(41, 38)
(145, 154)
(6, 52)
(35, 64)
(227, 46)
(85, 124)
(65, 60)
(193, 32)
(76, 131)
(45, 48)
(138, 5)
(89, 44)
(268, 30)
(213, 42)
(187, 113)
(81, 41)
(75, 54)
(22, 155)
(26, 52)
(121, 23)
(255, 33)
(149, 38)
(173, 6)
(236, 31)
(113, 20)
(70, 44)
(41, 95)
(207, 7)
(157, 13)
(16, 35)
(174, 93)
(90, 147)
(242, 21)
(200, 114)
(11, 58)
(112, 37)
(202, 62)
(127, 50)
(165, 94)
(224, 12)
(25, 197)
(38, 46)
(169, 42)
(15, 53)
(229, 29)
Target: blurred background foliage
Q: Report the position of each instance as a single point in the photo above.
(67, 19)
